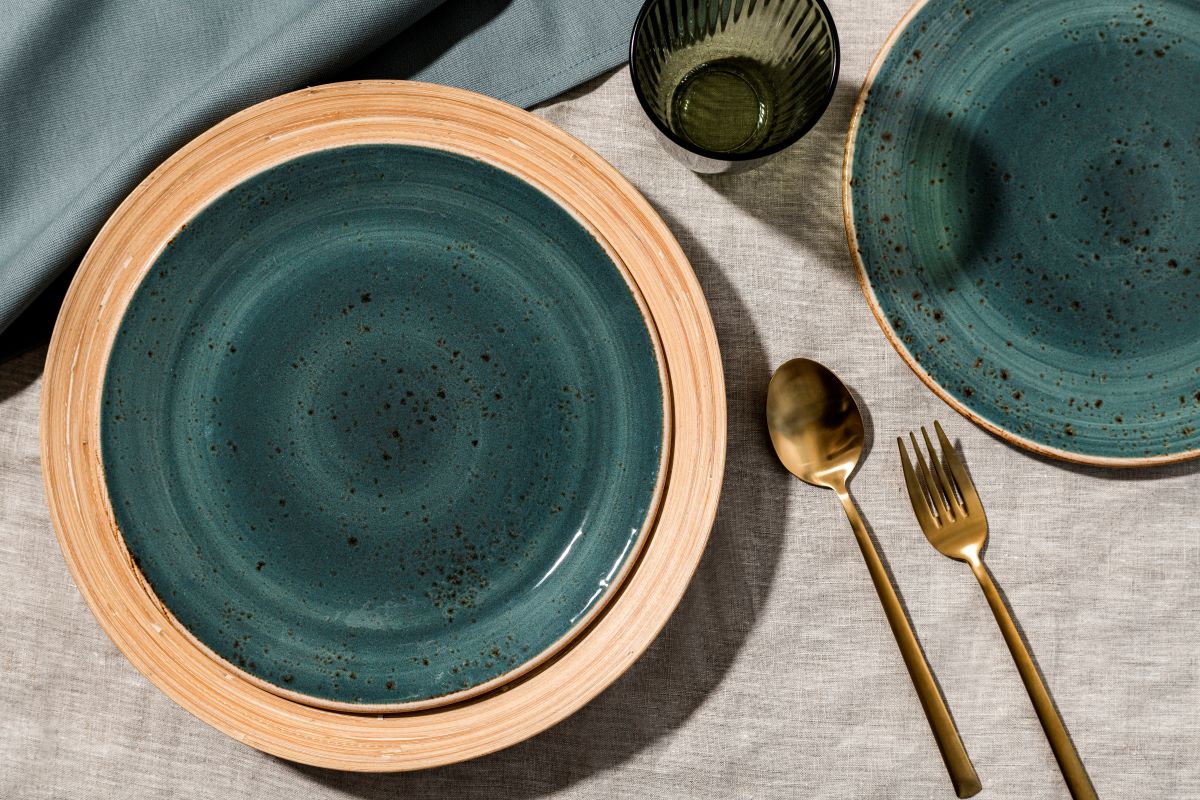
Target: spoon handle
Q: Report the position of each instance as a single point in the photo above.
(1056, 732)
(958, 763)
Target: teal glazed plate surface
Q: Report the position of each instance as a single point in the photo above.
(383, 427)
(1023, 201)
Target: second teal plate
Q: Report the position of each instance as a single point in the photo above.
(1024, 202)
(383, 426)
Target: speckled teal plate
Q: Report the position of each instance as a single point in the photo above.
(383, 426)
(1024, 200)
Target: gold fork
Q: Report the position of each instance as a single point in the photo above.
(951, 515)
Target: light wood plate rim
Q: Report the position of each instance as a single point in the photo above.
(255, 139)
(868, 291)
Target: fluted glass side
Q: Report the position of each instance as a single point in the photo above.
(734, 80)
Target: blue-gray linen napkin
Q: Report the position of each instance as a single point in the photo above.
(95, 93)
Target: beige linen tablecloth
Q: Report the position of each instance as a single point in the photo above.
(777, 676)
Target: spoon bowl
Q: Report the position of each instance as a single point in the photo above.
(815, 425)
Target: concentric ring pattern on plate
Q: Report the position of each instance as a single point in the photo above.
(383, 425)
(1022, 199)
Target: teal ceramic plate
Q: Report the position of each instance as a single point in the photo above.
(383, 426)
(1023, 198)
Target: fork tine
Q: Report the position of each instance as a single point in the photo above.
(916, 494)
(947, 488)
(962, 479)
(927, 478)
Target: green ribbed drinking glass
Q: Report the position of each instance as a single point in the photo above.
(729, 83)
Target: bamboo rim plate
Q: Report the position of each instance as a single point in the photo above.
(274, 132)
(1015, 194)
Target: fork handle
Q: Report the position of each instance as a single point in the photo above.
(1064, 751)
(958, 763)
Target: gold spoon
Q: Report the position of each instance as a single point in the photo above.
(818, 434)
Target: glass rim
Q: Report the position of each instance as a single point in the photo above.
(791, 139)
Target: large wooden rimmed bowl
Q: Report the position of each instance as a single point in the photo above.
(380, 112)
